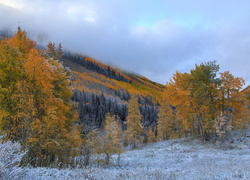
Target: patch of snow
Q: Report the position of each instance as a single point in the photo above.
(187, 158)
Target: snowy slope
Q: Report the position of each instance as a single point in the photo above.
(188, 158)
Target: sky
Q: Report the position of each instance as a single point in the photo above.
(154, 38)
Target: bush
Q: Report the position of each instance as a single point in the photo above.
(10, 158)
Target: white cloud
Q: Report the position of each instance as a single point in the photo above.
(12, 3)
(154, 39)
(77, 14)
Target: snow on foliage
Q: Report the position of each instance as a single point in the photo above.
(10, 157)
(187, 158)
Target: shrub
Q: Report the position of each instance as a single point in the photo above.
(10, 158)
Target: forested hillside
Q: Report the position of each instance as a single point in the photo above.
(189, 104)
(99, 89)
(68, 117)
(246, 91)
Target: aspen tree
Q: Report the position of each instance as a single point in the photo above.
(119, 139)
(199, 97)
(112, 139)
(233, 104)
(35, 93)
(194, 96)
(166, 123)
(134, 126)
(151, 136)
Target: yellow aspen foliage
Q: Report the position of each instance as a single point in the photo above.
(199, 97)
(112, 139)
(35, 93)
(151, 136)
(75, 142)
(119, 139)
(91, 144)
(97, 145)
(166, 124)
(232, 103)
(177, 94)
(134, 126)
(203, 93)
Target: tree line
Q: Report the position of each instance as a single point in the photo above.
(92, 109)
(93, 66)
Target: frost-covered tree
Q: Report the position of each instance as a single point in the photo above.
(222, 126)
(112, 139)
(10, 157)
(92, 144)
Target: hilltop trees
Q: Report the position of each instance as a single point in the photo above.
(98, 67)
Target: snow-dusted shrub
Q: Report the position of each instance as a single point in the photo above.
(10, 158)
(222, 127)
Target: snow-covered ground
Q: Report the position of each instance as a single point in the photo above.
(187, 158)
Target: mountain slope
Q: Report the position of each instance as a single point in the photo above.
(99, 89)
(112, 78)
(246, 91)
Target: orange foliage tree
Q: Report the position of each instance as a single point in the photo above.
(233, 104)
(134, 126)
(113, 138)
(196, 96)
(166, 122)
(35, 97)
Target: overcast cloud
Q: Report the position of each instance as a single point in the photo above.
(152, 38)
